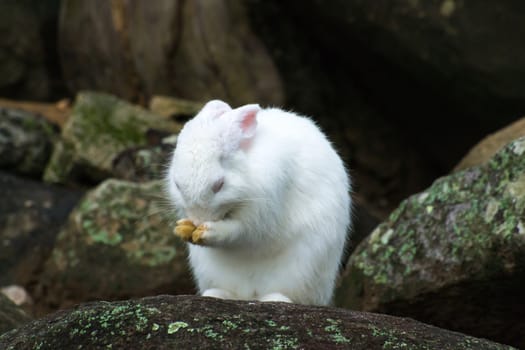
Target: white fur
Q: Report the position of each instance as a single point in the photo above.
(277, 228)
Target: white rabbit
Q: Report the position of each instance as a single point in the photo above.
(266, 204)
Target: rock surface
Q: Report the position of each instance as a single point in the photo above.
(144, 163)
(99, 128)
(442, 51)
(56, 113)
(28, 60)
(451, 255)
(490, 145)
(18, 295)
(31, 215)
(174, 108)
(450, 40)
(203, 50)
(185, 322)
(11, 316)
(118, 243)
(26, 141)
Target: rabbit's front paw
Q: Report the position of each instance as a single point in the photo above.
(185, 229)
(202, 234)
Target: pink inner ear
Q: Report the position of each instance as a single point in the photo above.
(248, 120)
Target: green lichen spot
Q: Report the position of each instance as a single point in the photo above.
(271, 323)
(521, 228)
(491, 211)
(229, 324)
(516, 189)
(209, 332)
(160, 256)
(335, 332)
(519, 147)
(102, 236)
(282, 342)
(385, 238)
(155, 327)
(175, 326)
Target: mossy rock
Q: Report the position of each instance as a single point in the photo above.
(118, 243)
(145, 163)
(186, 322)
(99, 128)
(26, 142)
(453, 255)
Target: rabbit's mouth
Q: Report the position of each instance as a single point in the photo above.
(228, 214)
(200, 216)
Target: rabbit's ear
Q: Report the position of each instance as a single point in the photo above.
(215, 108)
(246, 119)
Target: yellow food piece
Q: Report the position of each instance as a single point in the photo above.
(184, 231)
(197, 235)
(185, 222)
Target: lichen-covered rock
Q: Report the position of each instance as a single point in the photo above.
(31, 215)
(144, 163)
(453, 255)
(185, 322)
(99, 128)
(11, 316)
(26, 141)
(117, 243)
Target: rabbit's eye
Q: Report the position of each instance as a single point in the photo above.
(217, 185)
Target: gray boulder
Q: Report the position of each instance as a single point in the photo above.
(452, 255)
(26, 142)
(145, 163)
(118, 243)
(452, 46)
(185, 322)
(99, 128)
(11, 316)
(202, 50)
(28, 60)
(31, 216)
